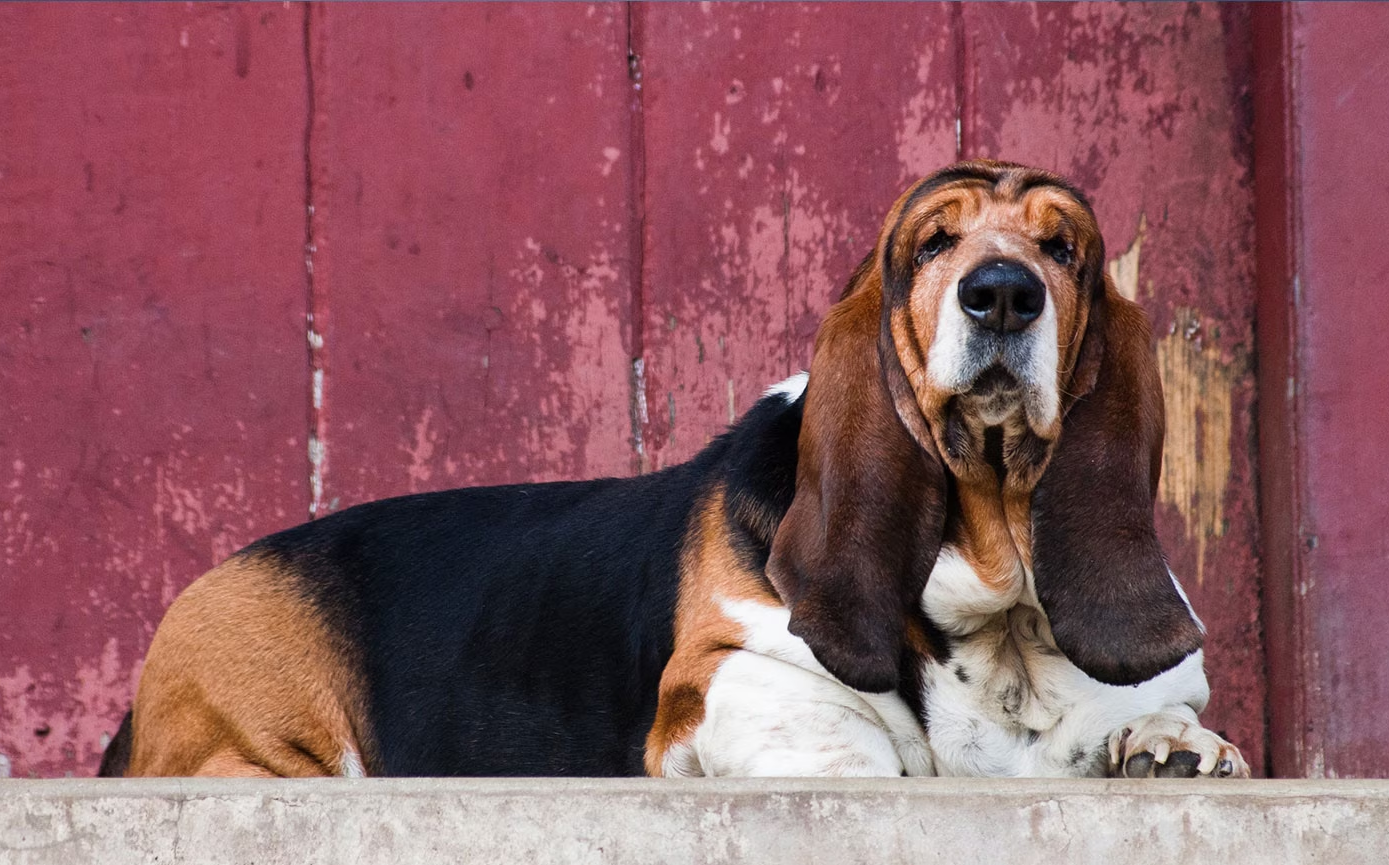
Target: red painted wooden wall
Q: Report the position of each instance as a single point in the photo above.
(259, 262)
(1323, 199)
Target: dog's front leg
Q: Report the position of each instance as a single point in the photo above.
(766, 716)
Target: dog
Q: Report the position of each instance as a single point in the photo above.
(933, 555)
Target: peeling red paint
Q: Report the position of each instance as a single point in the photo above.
(536, 242)
(784, 134)
(1322, 113)
(150, 337)
(471, 242)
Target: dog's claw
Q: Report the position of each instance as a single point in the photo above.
(1167, 745)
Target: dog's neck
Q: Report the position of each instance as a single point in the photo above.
(987, 442)
(995, 460)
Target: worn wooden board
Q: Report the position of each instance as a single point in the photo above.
(471, 225)
(152, 354)
(777, 136)
(1145, 107)
(1323, 179)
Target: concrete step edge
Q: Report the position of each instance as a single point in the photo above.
(766, 821)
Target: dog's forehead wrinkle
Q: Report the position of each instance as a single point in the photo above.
(993, 215)
(959, 205)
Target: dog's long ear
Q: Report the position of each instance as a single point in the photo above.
(1114, 608)
(851, 557)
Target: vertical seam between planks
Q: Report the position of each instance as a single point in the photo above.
(1292, 206)
(1296, 661)
(1279, 589)
(963, 104)
(637, 244)
(314, 301)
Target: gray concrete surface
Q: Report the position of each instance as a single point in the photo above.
(768, 822)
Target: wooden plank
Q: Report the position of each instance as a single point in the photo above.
(471, 230)
(777, 137)
(152, 353)
(1323, 176)
(1144, 106)
(1280, 445)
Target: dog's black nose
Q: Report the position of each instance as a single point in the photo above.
(1003, 296)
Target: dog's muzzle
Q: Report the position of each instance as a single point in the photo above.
(1008, 357)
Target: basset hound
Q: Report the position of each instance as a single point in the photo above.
(934, 555)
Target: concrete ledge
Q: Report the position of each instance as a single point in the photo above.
(798, 822)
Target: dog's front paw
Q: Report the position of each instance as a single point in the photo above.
(1165, 745)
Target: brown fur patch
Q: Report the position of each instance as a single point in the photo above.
(988, 210)
(852, 554)
(244, 679)
(710, 571)
(985, 541)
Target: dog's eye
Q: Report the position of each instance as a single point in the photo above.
(934, 245)
(1060, 250)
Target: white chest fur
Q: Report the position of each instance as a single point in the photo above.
(1008, 703)
(1005, 703)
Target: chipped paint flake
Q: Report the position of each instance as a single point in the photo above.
(722, 127)
(639, 370)
(610, 157)
(1124, 269)
(421, 452)
(640, 418)
(318, 453)
(1197, 384)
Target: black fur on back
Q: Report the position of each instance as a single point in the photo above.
(522, 630)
